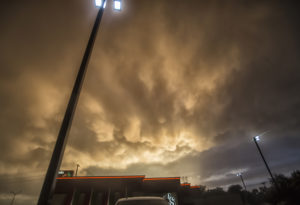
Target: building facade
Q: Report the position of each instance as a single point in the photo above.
(106, 190)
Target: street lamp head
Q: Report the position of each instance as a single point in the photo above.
(118, 5)
(99, 3)
(256, 138)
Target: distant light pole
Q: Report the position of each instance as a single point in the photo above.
(50, 179)
(256, 138)
(77, 169)
(14, 196)
(241, 176)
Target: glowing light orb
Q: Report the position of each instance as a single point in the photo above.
(99, 3)
(117, 5)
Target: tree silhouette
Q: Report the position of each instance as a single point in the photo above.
(235, 189)
(288, 194)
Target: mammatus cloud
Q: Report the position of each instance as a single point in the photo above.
(170, 91)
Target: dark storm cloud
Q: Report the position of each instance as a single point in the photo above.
(171, 89)
(236, 62)
(224, 163)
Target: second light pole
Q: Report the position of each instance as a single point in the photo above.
(241, 176)
(256, 138)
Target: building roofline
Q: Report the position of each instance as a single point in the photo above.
(161, 178)
(105, 177)
(137, 198)
(194, 187)
(123, 177)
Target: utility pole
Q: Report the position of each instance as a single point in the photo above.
(77, 169)
(14, 196)
(185, 179)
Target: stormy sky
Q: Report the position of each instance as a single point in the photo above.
(173, 88)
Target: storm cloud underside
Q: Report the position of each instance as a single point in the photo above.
(171, 90)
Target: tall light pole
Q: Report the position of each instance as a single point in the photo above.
(241, 176)
(50, 179)
(256, 138)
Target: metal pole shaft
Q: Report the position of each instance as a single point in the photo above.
(50, 179)
(263, 158)
(243, 182)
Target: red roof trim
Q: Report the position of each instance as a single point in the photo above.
(124, 177)
(108, 177)
(186, 184)
(161, 178)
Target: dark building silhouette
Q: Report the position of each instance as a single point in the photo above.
(106, 190)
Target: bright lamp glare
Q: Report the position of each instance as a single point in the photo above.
(99, 3)
(257, 138)
(117, 5)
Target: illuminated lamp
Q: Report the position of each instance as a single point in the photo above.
(99, 3)
(118, 5)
